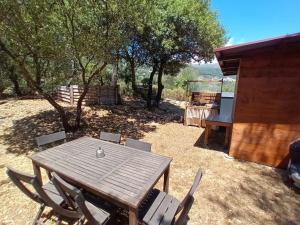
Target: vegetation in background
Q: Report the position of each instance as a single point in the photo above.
(174, 35)
(86, 42)
(75, 40)
(176, 87)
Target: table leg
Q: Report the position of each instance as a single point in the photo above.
(227, 136)
(133, 217)
(166, 180)
(37, 172)
(207, 130)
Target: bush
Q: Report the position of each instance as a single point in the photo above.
(175, 94)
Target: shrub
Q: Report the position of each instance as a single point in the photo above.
(175, 94)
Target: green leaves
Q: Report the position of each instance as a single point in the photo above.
(183, 30)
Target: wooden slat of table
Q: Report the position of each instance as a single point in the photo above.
(124, 174)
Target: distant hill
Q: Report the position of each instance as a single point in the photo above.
(213, 69)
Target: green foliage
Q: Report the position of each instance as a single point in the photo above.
(182, 30)
(66, 42)
(176, 94)
(63, 41)
(188, 73)
(4, 72)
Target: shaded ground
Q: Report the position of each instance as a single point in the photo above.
(231, 192)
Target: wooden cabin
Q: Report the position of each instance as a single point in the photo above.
(266, 109)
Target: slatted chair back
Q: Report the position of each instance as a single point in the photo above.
(188, 200)
(19, 179)
(50, 138)
(106, 136)
(76, 195)
(140, 145)
(61, 211)
(67, 191)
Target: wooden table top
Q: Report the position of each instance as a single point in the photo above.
(124, 175)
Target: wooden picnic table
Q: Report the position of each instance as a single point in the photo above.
(124, 176)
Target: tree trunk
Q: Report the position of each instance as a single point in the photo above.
(34, 86)
(149, 95)
(13, 76)
(79, 105)
(86, 87)
(62, 113)
(160, 86)
(132, 73)
(38, 75)
(114, 75)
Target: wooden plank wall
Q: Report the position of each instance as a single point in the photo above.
(63, 94)
(267, 108)
(107, 95)
(90, 98)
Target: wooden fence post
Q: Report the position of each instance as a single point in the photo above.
(71, 95)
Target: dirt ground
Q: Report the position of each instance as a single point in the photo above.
(231, 192)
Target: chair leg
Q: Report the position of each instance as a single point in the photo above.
(58, 221)
(81, 221)
(38, 215)
(49, 175)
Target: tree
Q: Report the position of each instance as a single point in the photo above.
(178, 32)
(8, 73)
(39, 34)
(132, 52)
(134, 55)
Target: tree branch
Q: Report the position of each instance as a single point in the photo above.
(96, 72)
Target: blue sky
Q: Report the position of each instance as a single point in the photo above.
(250, 20)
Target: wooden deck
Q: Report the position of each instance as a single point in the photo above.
(124, 176)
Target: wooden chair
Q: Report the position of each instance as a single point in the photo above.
(50, 138)
(20, 179)
(138, 144)
(163, 209)
(115, 138)
(74, 197)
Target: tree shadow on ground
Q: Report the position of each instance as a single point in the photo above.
(216, 141)
(130, 119)
(281, 209)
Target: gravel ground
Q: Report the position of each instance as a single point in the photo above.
(231, 191)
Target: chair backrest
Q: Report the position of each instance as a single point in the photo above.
(188, 200)
(67, 191)
(140, 145)
(74, 195)
(19, 178)
(62, 211)
(105, 136)
(50, 138)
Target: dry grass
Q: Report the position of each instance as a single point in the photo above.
(231, 192)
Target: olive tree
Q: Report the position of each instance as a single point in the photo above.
(37, 34)
(176, 33)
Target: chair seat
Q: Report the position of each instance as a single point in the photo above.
(53, 193)
(100, 215)
(161, 210)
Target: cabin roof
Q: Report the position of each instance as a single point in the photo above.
(229, 57)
